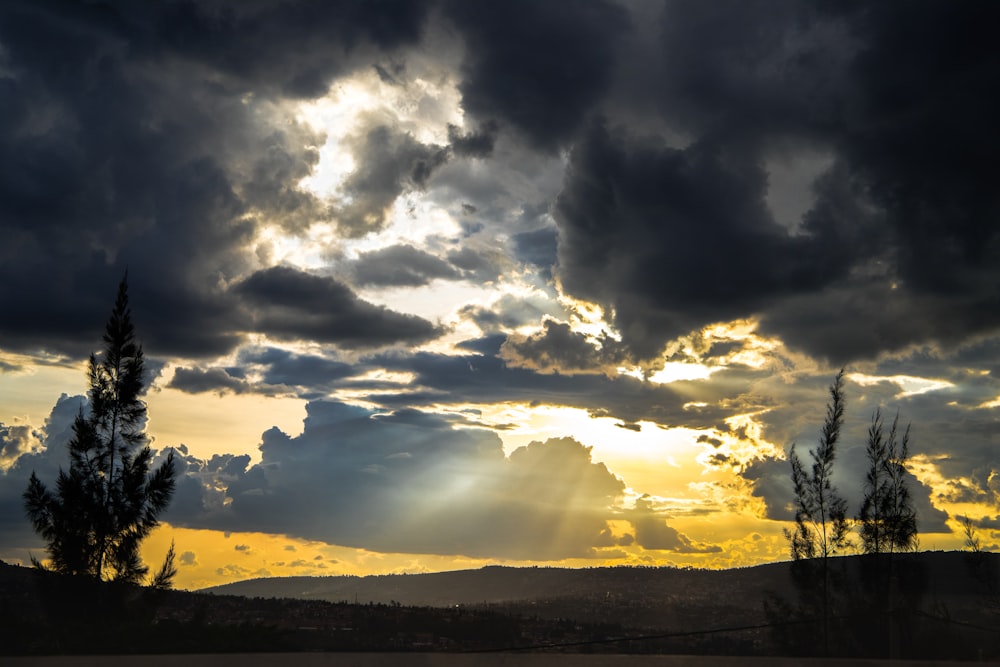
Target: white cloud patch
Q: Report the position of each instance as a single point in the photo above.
(15, 440)
(908, 385)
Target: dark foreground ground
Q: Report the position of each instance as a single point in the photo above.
(447, 660)
(922, 607)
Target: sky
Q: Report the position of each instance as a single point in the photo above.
(428, 285)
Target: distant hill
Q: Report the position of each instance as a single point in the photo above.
(496, 585)
(636, 597)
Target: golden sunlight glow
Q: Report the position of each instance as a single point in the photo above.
(752, 446)
(908, 384)
(30, 386)
(412, 220)
(210, 557)
(337, 115)
(652, 460)
(947, 494)
(211, 424)
(587, 317)
(755, 351)
(312, 249)
(989, 405)
(674, 371)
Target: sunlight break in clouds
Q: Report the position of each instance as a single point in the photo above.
(908, 385)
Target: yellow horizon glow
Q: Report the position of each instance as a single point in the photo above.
(211, 557)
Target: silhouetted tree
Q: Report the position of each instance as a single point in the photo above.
(887, 521)
(109, 500)
(972, 542)
(821, 525)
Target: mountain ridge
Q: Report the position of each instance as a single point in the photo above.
(636, 596)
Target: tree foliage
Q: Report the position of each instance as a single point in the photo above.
(821, 524)
(109, 500)
(887, 520)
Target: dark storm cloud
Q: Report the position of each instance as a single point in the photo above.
(673, 239)
(400, 265)
(901, 237)
(279, 372)
(290, 304)
(291, 48)
(408, 482)
(558, 349)
(284, 368)
(478, 144)
(152, 136)
(197, 380)
(537, 66)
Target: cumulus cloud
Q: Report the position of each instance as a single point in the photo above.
(408, 481)
(15, 440)
(45, 461)
(871, 247)
(537, 67)
(653, 533)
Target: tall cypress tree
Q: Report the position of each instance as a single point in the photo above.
(821, 524)
(887, 521)
(109, 500)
